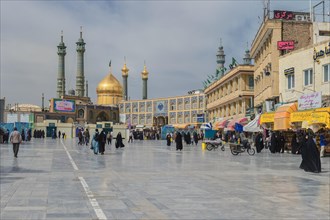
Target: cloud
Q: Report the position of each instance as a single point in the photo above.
(178, 41)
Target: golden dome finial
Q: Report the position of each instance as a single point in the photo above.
(145, 72)
(125, 70)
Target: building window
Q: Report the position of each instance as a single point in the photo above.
(172, 107)
(172, 120)
(251, 82)
(308, 77)
(194, 105)
(180, 120)
(149, 109)
(326, 72)
(187, 106)
(149, 121)
(290, 81)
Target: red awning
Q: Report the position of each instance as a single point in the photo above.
(241, 121)
(221, 124)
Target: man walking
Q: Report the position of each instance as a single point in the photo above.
(15, 138)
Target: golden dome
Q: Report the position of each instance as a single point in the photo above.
(109, 90)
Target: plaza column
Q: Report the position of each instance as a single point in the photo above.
(61, 52)
(80, 78)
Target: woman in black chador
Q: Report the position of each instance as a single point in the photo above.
(310, 156)
(281, 143)
(102, 140)
(273, 142)
(119, 141)
(195, 137)
(178, 141)
(259, 142)
(294, 144)
(168, 139)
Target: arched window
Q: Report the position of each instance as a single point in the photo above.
(81, 113)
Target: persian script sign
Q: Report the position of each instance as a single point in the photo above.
(310, 101)
(286, 15)
(267, 118)
(300, 116)
(285, 45)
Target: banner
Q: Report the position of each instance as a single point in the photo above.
(310, 101)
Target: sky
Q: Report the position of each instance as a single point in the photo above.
(178, 41)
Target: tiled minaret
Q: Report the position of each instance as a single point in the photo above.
(80, 78)
(145, 74)
(221, 57)
(61, 51)
(124, 71)
(247, 58)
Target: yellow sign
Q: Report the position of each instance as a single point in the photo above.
(320, 117)
(267, 118)
(300, 116)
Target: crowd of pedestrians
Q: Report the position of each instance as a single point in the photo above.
(303, 142)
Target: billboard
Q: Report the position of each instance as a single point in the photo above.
(62, 105)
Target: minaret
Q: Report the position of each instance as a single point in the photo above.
(61, 51)
(124, 71)
(80, 78)
(247, 58)
(43, 102)
(145, 81)
(221, 57)
(86, 88)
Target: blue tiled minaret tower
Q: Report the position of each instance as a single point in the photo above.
(80, 78)
(61, 51)
(221, 57)
(145, 74)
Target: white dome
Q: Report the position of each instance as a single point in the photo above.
(26, 108)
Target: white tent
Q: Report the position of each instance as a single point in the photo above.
(253, 126)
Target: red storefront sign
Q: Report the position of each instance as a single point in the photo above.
(285, 45)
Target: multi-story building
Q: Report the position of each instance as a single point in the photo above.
(179, 110)
(231, 95)
(285, 32)
(304, 71)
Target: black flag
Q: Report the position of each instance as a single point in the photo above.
(110, 63)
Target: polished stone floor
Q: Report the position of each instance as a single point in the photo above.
(56, 179)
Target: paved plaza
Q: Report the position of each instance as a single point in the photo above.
(57, 179)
